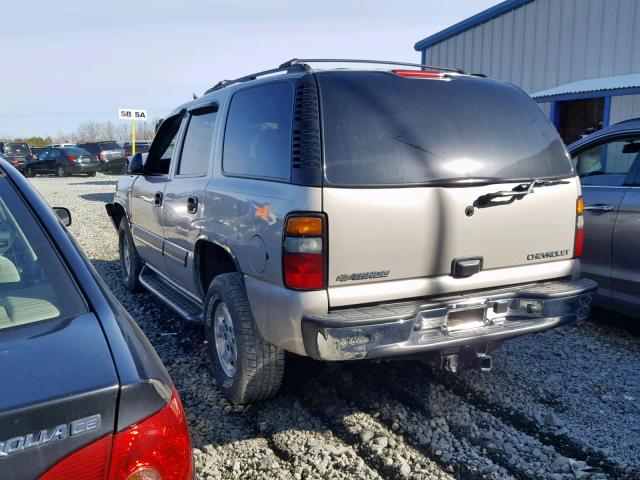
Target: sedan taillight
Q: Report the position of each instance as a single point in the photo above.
(304, 252)
(157, 448)
(71, 158)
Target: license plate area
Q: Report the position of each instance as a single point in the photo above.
(467, 318)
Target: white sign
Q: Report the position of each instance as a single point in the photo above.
(132, 114)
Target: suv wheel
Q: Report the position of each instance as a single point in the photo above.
(91, 174)
(29, 172)
(130, 263)
(246, 367)
(60, 172)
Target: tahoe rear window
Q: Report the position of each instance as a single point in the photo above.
(383, 129)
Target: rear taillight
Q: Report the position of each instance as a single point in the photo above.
(579, 238)
(15, 162)
(304, 252)
(88, 463)
(157, 448)
(420, 74)
(71, 158)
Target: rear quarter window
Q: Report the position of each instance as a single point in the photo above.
(34, 283)
(257, 140)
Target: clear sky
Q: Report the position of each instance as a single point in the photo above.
(64, 61)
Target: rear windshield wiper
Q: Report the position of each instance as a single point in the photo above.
(517, 192)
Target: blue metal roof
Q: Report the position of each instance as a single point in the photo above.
(618, 82)
(482, 17)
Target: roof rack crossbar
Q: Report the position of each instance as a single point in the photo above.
(303, 61)
(290, 68)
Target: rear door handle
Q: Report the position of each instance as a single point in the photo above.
(192, 205)
(158, 198)
(599, 208)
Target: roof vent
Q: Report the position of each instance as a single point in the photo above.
(306, 153)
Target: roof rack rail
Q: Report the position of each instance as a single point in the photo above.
(301, 65)
(253, 76)
(304, 61)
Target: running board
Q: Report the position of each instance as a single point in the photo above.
(182, 303)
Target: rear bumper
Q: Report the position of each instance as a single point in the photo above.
(405, 328)
(113, 164)
(83, 168)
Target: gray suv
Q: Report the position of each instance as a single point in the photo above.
(350, 214)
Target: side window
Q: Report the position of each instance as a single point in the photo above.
(159, 157)
(608, 163)
(54, 154)
(196, 150)
(257, 140)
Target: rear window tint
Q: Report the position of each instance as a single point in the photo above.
(257, 141)
(382, 129)
(76, 151)
(34, 285)
(109, 146)
(17, 149)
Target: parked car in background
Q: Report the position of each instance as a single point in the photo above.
(142, 146)
(110, 154)
(400, 213)
(608, 163)
(83, 391)
(62, 145)
(36, 150)
(63, 162)
(18, 154)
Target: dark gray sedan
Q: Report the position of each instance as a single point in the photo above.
(608, 162)
(84, 394)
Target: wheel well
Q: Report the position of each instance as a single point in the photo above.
(212, 260)
(117, 214)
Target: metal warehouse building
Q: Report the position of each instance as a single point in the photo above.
(580, 59)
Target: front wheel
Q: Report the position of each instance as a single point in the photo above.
(91, 174)
(60, 171)
(29, 172)
(130, 262)
(246, 367)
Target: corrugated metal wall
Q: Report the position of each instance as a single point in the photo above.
(548, 43)
(624, 107)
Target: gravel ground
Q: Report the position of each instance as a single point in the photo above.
(560, 405)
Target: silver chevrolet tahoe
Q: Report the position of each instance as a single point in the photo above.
(350, 214)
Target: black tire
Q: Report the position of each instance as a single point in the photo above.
(60, 171)
(259, 367)
(130, 274)
(91, 174)
(29, 172)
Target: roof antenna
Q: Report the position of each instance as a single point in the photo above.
(195, 97)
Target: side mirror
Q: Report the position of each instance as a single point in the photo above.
(136, 165)
(63, 214)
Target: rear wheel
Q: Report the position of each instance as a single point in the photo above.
(60, 171)
(130, 262)
(246, 367)
(91, 174)
(29, 172)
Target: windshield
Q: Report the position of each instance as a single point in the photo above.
(17, 149)
(383, 129)
(34, 285)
